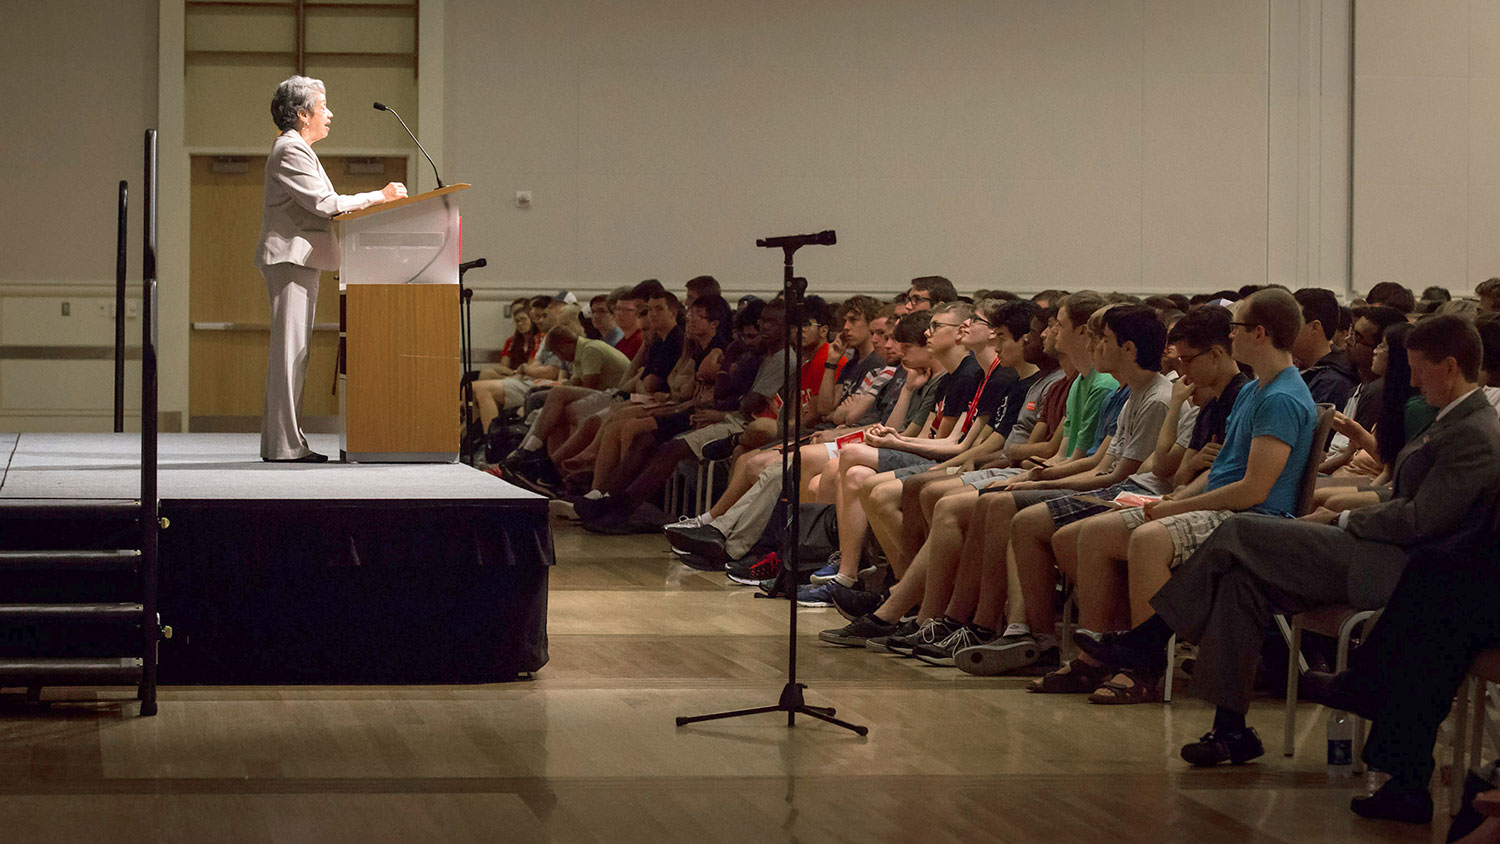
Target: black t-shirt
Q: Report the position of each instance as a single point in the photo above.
(962, 384)
(1012, 402)
(662, 355)
(1214, 416)
(994, 392)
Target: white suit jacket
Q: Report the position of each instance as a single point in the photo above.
(296, 226)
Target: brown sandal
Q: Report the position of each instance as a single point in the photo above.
(1126, 687)
(1075, 677)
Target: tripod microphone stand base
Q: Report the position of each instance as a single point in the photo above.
(791, 703)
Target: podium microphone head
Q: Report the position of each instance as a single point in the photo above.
(381, 107)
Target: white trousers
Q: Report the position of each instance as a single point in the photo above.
(294, 296)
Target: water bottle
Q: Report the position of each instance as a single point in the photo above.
(1340, 745)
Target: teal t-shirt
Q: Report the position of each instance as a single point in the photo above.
(1283, 409)
(1085, 398)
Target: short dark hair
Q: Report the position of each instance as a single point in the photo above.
(1489, 335)
(939, 288)
(1160, 303)
(1002, 295)
(1015, 316)
(1393, 294)
(670, 298)
(1052, 295)
(1321, 305)
(749, 315)
(703, 285)
(1278, 312)
(912, 328)
(1182, 302)
(1205, 327)
(541, 301)
(815, 308)
(1346, 318)
(1487, 287)
(1140, 325)
(1383, 316)
(645, 290)
(1437, 294)
(1446, 336)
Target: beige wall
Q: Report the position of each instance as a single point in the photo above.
(1122, 145)
(1427, 143)
(1135, 144)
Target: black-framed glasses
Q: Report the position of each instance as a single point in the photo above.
(1184, 360)
(979, 319)
(936, 325)
(918, 297)
(1366, 341)
(1245, 325)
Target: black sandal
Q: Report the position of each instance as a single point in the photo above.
(1075, 677)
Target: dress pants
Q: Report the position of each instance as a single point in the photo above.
(1445, 610)
(294, 296)
(1224, 595)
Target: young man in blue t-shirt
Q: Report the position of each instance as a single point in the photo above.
(1266, 444)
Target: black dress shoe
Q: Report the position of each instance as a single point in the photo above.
(1337, 691)
(1393, 803)
(310, 457)
(704, 541)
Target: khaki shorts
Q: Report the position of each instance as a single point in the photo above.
(697, 439)
(1188, 530)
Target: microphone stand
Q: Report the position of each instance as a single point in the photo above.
(466, 445)
(792, 701)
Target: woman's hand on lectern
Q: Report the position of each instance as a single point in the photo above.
(393, 191)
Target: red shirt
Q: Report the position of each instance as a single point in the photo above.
(628, 346)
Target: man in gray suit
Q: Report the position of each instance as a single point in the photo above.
(1224, 595)
(297, 243)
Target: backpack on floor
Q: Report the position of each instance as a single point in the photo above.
(819, 534)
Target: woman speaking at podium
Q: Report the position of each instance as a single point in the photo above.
(296, 244)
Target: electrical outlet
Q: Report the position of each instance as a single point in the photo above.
(67, 308)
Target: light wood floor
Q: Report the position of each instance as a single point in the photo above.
(588, 751)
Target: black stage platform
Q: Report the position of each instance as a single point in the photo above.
(303, 573)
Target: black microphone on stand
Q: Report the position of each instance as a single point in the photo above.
(384, 107)
(823, 238)
(477, 263)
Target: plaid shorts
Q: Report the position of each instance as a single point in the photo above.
(981, 478)
(1067, 510)
(1188, 530)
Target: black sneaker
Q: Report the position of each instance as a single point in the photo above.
(941, 653)
(904, 628)
(1236, 748)
(929, 632)
(1000, 656)
(853, 603)
(764, 568)
(705, 541)
(856, 633)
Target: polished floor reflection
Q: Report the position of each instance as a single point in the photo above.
(588, 750)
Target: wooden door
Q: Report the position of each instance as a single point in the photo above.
(229, 309)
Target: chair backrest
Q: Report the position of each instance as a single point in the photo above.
(1315, 458)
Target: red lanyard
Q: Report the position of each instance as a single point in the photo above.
(974, 402)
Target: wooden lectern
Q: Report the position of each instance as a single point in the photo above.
(399, 330)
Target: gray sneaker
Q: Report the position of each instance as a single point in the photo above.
(905, 628)
(941, 653)
(930, 632)
(1005, 654)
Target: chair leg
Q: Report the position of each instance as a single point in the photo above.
(1294, 653)
(1069, 613)
(1457, 764)
(1341, 661)
(1166, 690)
(1476, 726)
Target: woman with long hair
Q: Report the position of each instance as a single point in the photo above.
(1404, 414)
(520, 345)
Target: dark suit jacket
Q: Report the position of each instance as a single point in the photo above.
(1444, 483)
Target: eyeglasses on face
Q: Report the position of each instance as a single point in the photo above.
(1247, 326)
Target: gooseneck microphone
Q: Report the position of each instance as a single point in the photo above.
(794, 241)
(384, 107)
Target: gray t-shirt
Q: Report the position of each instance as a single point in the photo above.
(1186, 419)
(770, 376)
(1140, 420)
(924, 400)
(1031, 412)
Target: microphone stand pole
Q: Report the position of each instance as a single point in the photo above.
(466, 444)
(792, 701)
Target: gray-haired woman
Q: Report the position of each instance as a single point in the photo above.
(297, 243)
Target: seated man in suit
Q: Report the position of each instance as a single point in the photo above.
(1256, 565)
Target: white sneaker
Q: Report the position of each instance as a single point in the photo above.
(684, 522)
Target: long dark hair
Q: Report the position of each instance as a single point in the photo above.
(521, 344)
(1390, 430)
